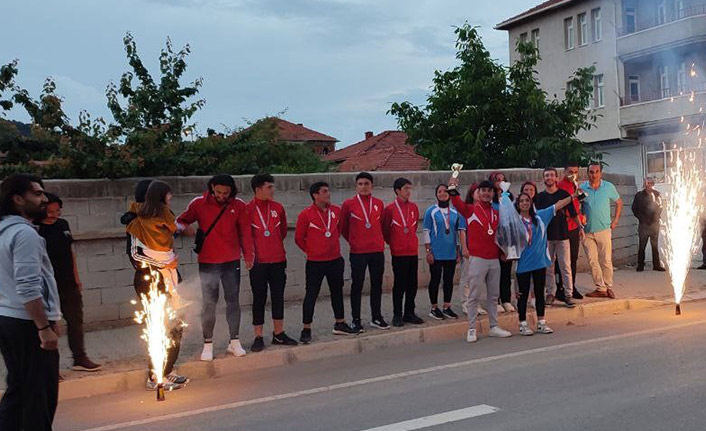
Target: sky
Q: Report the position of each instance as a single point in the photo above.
(333, 65)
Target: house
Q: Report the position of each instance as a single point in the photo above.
(296, 133)
(387, 151)
(650, 77)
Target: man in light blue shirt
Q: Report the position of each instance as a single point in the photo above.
(599, 225)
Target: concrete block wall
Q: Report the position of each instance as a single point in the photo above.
(93, 209)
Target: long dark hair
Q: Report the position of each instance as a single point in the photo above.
(155, 199)
(532, 213)
(15, 184)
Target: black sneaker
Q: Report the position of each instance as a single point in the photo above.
(569, 302)
(640, 268)
(414, 319)
(85, 364)
(397, 321)
(560, 295)
(449, 313)
(358, 326)
(257, 345)
(380, 323)
(576, 294)
(283, 339)
(342, 328)
(305, 337)
(435, 313)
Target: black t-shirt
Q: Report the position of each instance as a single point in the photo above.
(58, 238)
(558, 229)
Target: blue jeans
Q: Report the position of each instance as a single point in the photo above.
(212, 276)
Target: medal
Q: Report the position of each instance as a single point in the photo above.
(265, 224)
(327, 234)
(406, 230)
(368, 225)
(327, 226)
(366, 214)
(267, 233)
(489, 219)
(404, 219)
(490, 231)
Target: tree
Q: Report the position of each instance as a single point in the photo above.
(7, 78)
(485, 115)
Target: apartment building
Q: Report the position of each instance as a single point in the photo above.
(649, 86)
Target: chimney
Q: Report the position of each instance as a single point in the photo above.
(368, 135)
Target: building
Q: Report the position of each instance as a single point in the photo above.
(649, 86)
(320, 143)
(388, 151)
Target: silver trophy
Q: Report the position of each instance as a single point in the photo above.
(455, 172)
(580, 195)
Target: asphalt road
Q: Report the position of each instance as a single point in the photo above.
(641, 370)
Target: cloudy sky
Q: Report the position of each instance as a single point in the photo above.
(334, 65)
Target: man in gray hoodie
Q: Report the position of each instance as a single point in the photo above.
(29, 309)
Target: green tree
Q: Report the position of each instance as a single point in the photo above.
(485, 115)
(7, 82)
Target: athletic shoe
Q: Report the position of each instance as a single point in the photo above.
(560, 295)
(449, 313)
(258, 345)
(569, 302)
(435, 313)
(471, 336)
(542, 328)
(235, 349)
(397, 321)
(168, 386)
(499, 332)
(283, 339)
(576, 294)
(342, 328)
(610, 293)
(508, 307)
(525, 329)
(413, 319)
(207, 352)
(305, 337)
(358, 326)
(597, 294)
(640, 268)
(85, 364)
(500, 309)
(176, 379)
(481, 311)
(549, 300)
(380, 323)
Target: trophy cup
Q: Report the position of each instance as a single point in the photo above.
(580, 195)
(455, 172)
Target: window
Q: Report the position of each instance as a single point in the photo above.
(535, 38)
(583, 29)
(664, 80)
(598, 101)
(634, 88)
(662, 12)
(596, 24)
(681, 78)
(569, 33)
(679, 9)
(523, 37)
(630, 20)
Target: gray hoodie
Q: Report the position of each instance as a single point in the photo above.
(25, 270)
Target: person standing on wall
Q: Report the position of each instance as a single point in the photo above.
(361, 226)
(647, 208)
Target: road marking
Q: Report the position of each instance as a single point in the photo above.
(389, 377)
(439, 419)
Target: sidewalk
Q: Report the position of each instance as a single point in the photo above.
(122, 350)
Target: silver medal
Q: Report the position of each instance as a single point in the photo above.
(267, 233)
(368, 225)
(490, 231)
(406, 230)
(327, 234)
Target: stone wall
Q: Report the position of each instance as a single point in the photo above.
(93, 209)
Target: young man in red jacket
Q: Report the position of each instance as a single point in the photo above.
(484, 268)
(219, 258)
(399, 228)
(317, 234)
(361, 226)
(268, 223)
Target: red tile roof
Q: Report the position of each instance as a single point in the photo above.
(387, 151)
(542, 7)
(298, 133)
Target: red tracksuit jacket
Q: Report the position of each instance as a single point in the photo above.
(353, 221)
(310, 233)
(268, 249)
(478, 218)
(393, 228)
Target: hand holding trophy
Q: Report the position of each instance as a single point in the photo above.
(579, 194)
(452, 189)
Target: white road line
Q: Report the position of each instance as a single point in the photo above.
(439, 419)
(388, 377)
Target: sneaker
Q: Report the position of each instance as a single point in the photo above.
(449, 313)
(176, 379)
(85, 364)
(435, 313)
(283, 339)
(508, 307)
(207, 352)
(499, 332)
(168, 386)
(500, 309)
(525, 329)
(640, 268)
(610, 293)
(258, 345)
(380, 323)
(549, 300)
(597, 294)
(481, 311)
(560, 295)
(576, 294)
(542, 328)
(569, 302)
(397, 321)
(414, 319)
(305, 337)
(235, 349)
(342, 328)
(471, 336)
(358, 326)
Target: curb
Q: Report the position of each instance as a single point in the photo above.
(282, 356)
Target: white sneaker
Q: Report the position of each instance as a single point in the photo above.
(508, 307)
(542, 328)
(471, 336)
(525, 329)
(235, 349)
(481, 311)
(500, 309)
(207, 352)
(499, 332)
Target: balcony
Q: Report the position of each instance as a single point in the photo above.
(651, 37)
(662, 108)
(694, 87)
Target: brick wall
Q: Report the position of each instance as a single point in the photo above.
(93, 209)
